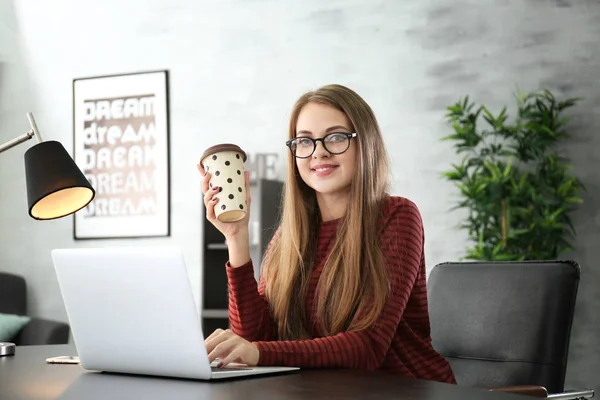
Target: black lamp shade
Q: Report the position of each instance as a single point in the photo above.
(56, 187)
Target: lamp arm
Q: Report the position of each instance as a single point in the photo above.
(24, 137)
(16, 141)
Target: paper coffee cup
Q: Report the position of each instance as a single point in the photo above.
(225, 163)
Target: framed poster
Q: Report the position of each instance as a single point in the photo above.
(121, 143)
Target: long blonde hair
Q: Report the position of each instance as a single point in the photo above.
(353, 285)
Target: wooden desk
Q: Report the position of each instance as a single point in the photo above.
(26, 376)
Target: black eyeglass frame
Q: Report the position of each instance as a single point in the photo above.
(322, 140)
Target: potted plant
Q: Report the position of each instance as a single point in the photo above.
(513, 180)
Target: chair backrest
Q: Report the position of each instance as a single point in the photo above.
(13, 294)
(504, 323)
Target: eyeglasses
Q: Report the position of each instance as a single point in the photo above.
(334, 143)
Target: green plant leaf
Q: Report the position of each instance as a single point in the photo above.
(576, 200)
(513, 176)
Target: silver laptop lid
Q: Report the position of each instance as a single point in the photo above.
(131, 310)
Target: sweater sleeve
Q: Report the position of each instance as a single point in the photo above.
(249, 314)
(402, 244)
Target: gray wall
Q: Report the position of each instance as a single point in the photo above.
(236, 75)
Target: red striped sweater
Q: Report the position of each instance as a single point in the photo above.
(399, 341)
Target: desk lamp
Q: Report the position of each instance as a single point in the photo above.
(56, 187)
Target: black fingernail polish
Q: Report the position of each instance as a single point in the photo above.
(220, 365)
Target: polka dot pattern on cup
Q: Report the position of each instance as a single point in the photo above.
(227, 169)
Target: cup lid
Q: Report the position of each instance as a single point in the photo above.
(223, 147)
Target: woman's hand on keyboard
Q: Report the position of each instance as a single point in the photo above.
(229, 347)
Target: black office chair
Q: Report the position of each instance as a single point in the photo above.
(505, 325)
(13, 300)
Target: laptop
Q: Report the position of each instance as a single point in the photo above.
(131, 310)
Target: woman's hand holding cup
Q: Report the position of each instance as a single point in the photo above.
(226, 190)
(211, 201)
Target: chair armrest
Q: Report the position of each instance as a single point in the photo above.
(41, 331)
(526, 390)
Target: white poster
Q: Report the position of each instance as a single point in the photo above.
(121, 143)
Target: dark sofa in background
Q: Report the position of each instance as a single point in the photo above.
(13, 300)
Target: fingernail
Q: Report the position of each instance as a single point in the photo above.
(220, 365)
(215, 188)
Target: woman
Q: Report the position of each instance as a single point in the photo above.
(343, 282)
